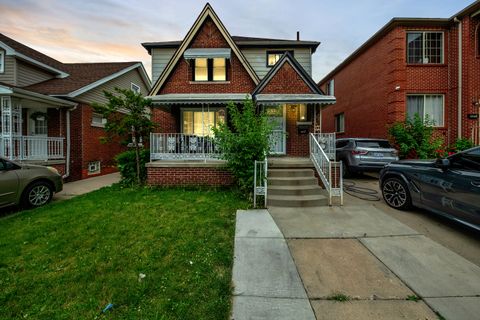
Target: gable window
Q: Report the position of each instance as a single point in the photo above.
(214, 69)
(424, 47)
(196, 122)
(2, 61)
(98, 120)
(135, 88)
(429, 106)
(340, 122)
(331, 87)
(274, 56)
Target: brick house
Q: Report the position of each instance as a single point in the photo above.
(46, 117)
(196, 77)
(411, 65)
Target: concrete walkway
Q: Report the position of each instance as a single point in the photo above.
(72, 189)
(266, 282)
(361, 252)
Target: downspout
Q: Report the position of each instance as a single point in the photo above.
(459, 98)
(67, 158)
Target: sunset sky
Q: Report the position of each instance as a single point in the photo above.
(110, 30)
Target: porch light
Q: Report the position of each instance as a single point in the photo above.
(302, 113)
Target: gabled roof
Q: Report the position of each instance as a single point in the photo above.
(243, 42)
(24, 52)
(86, 76)
(206, 12)
(287, 58)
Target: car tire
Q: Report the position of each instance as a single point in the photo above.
(396, 194)
(37, 194)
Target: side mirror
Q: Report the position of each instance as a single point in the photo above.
(442, 163)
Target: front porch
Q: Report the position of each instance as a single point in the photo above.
(33, 127)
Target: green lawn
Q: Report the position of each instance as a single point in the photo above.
(70, 259)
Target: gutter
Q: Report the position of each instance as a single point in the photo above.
(67, 158)
(460, 74)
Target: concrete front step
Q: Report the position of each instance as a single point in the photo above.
(292, 181)
(297, 201)
(290, 173)
(290, 162)
(295, 190)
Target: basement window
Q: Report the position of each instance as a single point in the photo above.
(94, 167)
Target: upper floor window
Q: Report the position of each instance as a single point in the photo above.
(424, 47)
(274, 56)
(340, 122)
(135, 88)
(429, 106)
(477, 40)
(331, 87)
(2, 61)
(212, 69)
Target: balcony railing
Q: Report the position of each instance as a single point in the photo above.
(32, 148)
(179, 146)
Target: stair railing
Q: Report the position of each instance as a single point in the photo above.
(329, 171)
(260, 173)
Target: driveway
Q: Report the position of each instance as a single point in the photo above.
(76, 188)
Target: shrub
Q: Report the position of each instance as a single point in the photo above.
(127, 165)
(461, 144)
(414, 138)
(245, 142)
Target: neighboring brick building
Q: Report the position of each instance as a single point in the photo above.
(410, 66)
(46, 114)
(195, 78)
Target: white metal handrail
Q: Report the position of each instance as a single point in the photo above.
(32, 148)
(260, 184)
(327, 142)
(330, 172)
(180, 146)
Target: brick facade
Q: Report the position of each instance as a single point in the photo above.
(286, 81)
(189, 176)
(372, 88)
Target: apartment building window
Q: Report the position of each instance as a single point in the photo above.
(214, 69)
(331, 87)
(2, 61)
(424, 47)
(340, 122)
(274, 56)
(135, 88)
(429, 106)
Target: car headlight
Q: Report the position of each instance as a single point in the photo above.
(52, 169)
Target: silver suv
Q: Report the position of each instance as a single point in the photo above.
(360, 155)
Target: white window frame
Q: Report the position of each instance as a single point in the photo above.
(214, 110)
(94, 167)
(427, 95)
(2, 61)
(135, 87)
(97, 124)
(442, 51)
(337, 130)
(331, 87)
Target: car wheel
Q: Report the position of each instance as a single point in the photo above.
(395, 193)
(37, 194)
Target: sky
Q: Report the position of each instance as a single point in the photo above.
(113, 30)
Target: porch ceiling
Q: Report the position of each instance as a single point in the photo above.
(196, 98)
(264, 99)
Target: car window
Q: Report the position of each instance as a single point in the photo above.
(2, 165)
(7, 165)
(341, 144)
(467, 161)
(374, 144)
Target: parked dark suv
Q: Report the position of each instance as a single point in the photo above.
(450, 187)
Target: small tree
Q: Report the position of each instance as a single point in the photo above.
(127, 117)
(414, 137)
(245, 142)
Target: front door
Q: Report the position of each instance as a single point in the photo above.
(37, 145)
(276, 116)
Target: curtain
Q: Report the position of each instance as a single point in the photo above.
(414, 105)
(434, 109)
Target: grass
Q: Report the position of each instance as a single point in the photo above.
(413, 298)
(70, 259)
(340, 297)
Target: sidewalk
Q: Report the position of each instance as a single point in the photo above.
(379, 264)
(72, 189)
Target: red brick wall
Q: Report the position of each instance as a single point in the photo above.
(297, 144)
(180, 80)
(286, 81)
(188, 176)
(166, 119)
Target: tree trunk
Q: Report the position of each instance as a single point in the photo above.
(137, 159)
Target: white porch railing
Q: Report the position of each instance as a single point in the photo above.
(476, 135)
(330, 172)
(179, 146)
(32, 148)
(260, 181)
(327, 142)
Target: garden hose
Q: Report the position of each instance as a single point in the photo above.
(360, 192)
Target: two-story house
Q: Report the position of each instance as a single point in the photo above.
(196, 77)
(428, 66)
(46, 115)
